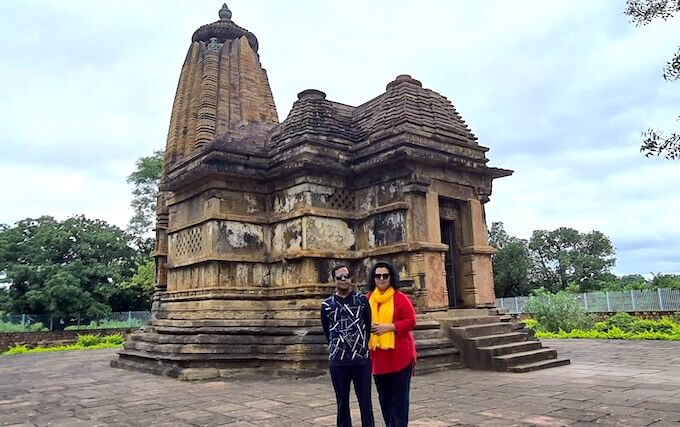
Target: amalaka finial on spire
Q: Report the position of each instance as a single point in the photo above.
(225, 13)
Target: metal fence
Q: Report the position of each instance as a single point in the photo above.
(610, 302)
(122, 319)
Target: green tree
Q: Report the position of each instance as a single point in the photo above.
(666, 281)
(511, 264)
(144, 181)
(4, 300)
(565, 256)
(627, 282)
(643, 12)
(139, 288)
(65, 268)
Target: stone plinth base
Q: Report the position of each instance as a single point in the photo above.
(204, 349)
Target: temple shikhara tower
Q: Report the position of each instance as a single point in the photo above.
(253, 214)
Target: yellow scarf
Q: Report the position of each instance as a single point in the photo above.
(382, 314)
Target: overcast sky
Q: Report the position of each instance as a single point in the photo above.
(558, 90)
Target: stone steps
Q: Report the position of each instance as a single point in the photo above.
(466, 321)
(501, 345)
(535, 366)
(225, 339)
(230, 323)
(427, 334)
(502, 363)
(490, 340)
(486, 329)
(501, 349)
(156, 353)
(216, 366)
(436, 343)
(436, 351)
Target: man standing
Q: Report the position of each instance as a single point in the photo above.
(346, 321)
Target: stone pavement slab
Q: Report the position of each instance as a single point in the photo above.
(614, 383)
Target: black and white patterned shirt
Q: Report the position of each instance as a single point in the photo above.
(347, 325)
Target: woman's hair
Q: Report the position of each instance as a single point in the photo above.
(394, 277)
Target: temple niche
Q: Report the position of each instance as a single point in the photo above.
(253, 213)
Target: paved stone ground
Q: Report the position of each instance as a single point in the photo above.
(622, 383)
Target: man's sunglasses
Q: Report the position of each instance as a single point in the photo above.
(384, 276)
(342, 277)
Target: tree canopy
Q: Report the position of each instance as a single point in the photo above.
(72, 268)
(511, 264)
(565, 256)
(144, 181)
(554, 260)
(643, 12)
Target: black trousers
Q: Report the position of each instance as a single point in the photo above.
(393, 393)
(360, 375)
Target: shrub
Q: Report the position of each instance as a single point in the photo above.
(530, 323)
(634, 325)
(17, 349)
(620, 320)
(624, 326)
(115, 339)
(676, 317)
(88, 340)
(85, 342)
(664, 326)
(557, 312)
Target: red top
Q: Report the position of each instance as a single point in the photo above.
(404, 351)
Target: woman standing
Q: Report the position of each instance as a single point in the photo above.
(393, 350)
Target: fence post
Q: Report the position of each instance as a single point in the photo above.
(585, 301)
(23, 320)
(632, 299)
(658, 292)
(609, 304)
(129, 319)
(51, 323)
(516, 306)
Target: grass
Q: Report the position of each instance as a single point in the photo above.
(621, 326)
(15, 327)
(85, 342)
(107, 324)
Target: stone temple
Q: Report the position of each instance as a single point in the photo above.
(253, 214)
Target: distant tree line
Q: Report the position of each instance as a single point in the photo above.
(82, 268)
(562, 260)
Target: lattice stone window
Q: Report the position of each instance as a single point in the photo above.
(343, 200)
(187, 242)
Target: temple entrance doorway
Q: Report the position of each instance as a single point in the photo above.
(448, 231)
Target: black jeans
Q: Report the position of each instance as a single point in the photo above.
(360, 375)
(393, 392)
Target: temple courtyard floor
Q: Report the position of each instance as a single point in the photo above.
(618, 383)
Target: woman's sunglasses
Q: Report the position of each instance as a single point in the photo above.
(384, 276)
(342, 277)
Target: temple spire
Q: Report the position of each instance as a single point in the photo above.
(225, 13)
(223, 92)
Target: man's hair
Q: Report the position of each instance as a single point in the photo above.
(338, 267)
(394, 277)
